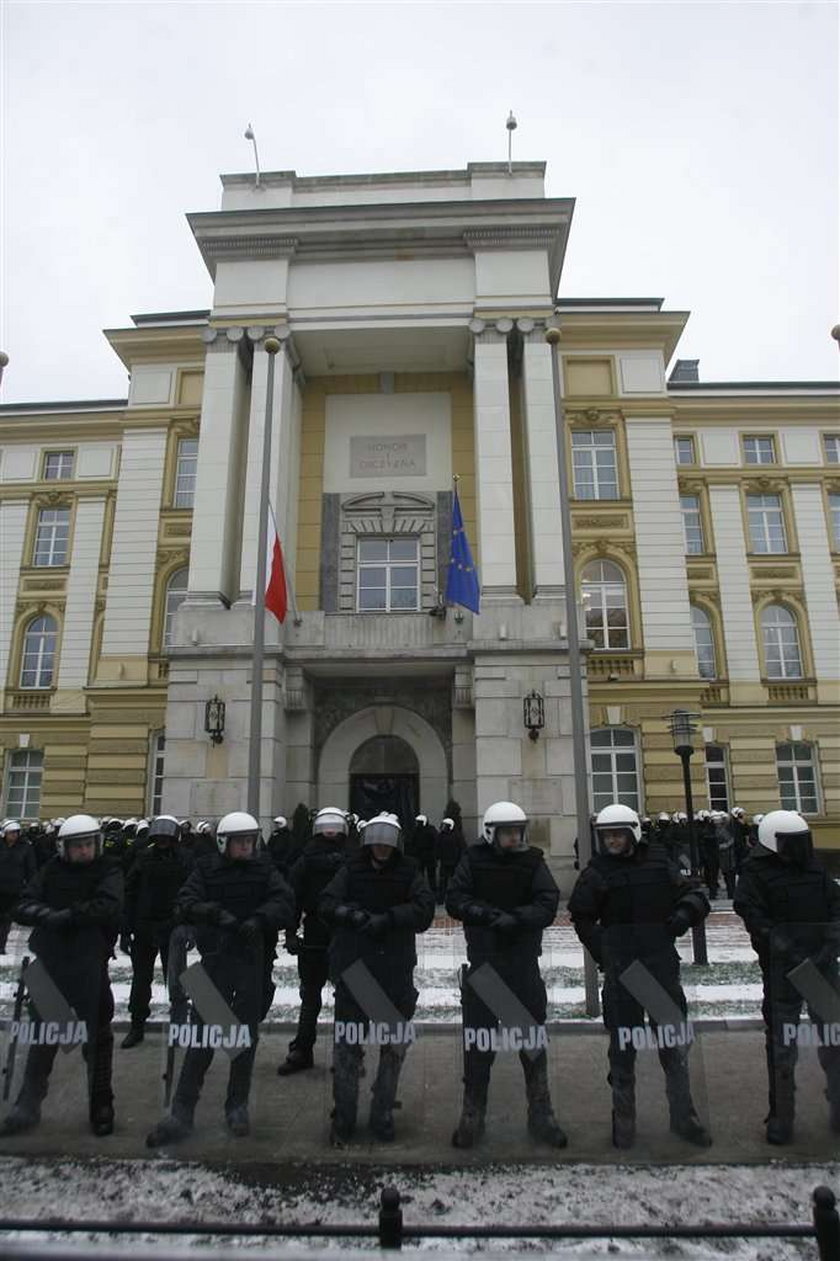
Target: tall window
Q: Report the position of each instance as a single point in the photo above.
(704, 643)
(23, 783)
(717, 778)
(684, 450)
(156, 777)
(388, 575)
(604, 598)
(38, 653)
(760, 450)
(797, 777)
(782, 657)
(595, 470)
(58, 466)
(176, 594)
(185, 473)
(831, 446)
(767, 523)
(834, 513)
(692, 525)
(615, 774)
(51, 535)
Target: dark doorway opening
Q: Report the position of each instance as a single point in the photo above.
(384, 775)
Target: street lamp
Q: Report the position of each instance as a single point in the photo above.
(214, 720)
(683, 727)
(533, 714)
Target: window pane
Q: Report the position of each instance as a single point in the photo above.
(23, 785)
(834, 511)
(373, 549)
(684, 450)
(38, 653)
(402, 549)
(832, 448)
(404, 576)
(58, 465)
(372, 600)
(759, 451)
(372, 576)
(51, 537)
(403, 598)
(186, 472)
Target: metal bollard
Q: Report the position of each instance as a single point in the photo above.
(390, 1219)
(826, 1224)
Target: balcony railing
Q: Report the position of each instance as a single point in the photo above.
(29, 701)
(790, 693)
(605, 667)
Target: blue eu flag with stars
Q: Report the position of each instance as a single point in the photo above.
(461, 579)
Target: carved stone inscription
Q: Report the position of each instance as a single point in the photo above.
(395, 456)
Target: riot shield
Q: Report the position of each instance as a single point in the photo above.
(801, 1011)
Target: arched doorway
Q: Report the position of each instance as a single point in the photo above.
(385, 775)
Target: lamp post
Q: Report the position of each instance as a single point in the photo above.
(214, 720)
(533, 714)
(683, 727)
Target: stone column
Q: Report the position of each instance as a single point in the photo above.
(820, 594)
(494, 466)
(543, 485)
(216, 524)
(81, 601)
(13, 514)
(736, 606)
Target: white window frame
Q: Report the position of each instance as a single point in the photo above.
(794, 798)
(601, 482)
(834, 520)
(52, 538)
(705, 653)
(778, 636)
(759, 448)
(30, 764)
(64, 468)
(618, 790)
(157, 759)
(766, 520)
(692, 522)
(692, 449)
(186, 468)
(831, 448)
(595, 595)
(387, 567)
(40, 663)
(174, 598)
(717, 801)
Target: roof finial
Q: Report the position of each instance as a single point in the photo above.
(511, 125)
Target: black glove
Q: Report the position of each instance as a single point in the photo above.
(59, 919)
(204, 912)
(504, 922)
(680, 922)
(250, 930)
(342, 914)
(358, 920)
(782, 945)
(227, 921)
(376, 925)
(475, 913)
(125, 943)
(293, 943)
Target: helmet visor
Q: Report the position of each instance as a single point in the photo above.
(330, 827)
(382, 833)
(615, 840)
(795, 848)
(165, 829)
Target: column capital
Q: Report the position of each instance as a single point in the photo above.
(489, 332)
(532, 330)
(220, 338)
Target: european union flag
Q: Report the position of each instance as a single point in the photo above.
(461, 579)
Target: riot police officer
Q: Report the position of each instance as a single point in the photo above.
(505, 895)
(237, 901)
(450, 850)
(17, 867)
(377, 902)
(423, 848)
(314, 869)
(74, 905)
(629, 904)
(791, 908)
(153, 882)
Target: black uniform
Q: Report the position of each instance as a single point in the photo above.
(792, 914)
(626, 909)
(309, 876)
(17, 867)
(237, 909)
(728, 859)
(151, 887)
(505, 899)
(76, 910)
(423, 848)
(449, 852)
(283, 850)
(376, 910)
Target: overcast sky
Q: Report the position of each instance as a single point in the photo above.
(700, 142)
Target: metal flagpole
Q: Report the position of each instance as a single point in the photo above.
(271, 346)
(584, 831)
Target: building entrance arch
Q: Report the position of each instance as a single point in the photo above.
(381, 741)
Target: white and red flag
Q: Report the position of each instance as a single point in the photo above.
(276, 598)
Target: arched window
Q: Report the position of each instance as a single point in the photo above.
(615, 774)
(39, 653)
(604, 596)
(176, 593)
(782, 657)
(704, 643)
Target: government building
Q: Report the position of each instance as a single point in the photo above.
(412, 310)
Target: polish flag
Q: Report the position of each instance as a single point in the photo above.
(276, 600)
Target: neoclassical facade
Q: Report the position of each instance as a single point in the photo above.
(412, 311)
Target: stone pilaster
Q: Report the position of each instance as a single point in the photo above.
(494, 465)
(543, 498)
(81, 601)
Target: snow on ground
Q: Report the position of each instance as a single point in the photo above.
(510, 1195)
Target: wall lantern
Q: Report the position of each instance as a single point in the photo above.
(533, 714)
(214, 720)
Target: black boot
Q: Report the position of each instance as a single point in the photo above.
(171, 1129)
(135, 1035)
(25, 1115)
(384, 1093)
(684, 1119)
(470, 1127)
(238, 1121)
(623, 1110)
(295, 1062)
(102, 1119)
(782, 1108)
(542, 1123)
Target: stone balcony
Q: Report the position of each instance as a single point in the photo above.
(348, 638)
